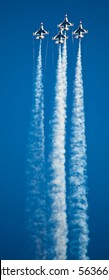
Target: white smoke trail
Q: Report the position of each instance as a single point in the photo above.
(57, 234)
(36, 206)
(77, 193)
(64, 72)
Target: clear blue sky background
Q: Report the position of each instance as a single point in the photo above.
(18, 19)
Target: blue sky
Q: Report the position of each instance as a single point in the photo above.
(18, 20)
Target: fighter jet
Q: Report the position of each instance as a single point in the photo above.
(80, 31)
(65, 24)
(60, 37)
(40, 34)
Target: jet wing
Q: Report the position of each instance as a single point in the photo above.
(84, 31)
(63, 36)
(76, 31)
(55, 37)
(65, 23)
(44, 31)
(69, 23)
(61, 24)
(36, 33)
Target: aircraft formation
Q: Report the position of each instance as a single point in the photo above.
(61, 36)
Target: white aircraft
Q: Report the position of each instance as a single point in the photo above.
(80, 31)
(60, 37)
(65, 24)
(40, 34)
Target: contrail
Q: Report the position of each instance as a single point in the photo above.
(64, 72)
(36, 196)
(57, 224)
(77, 192)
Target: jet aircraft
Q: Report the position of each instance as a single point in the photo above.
(60, 37)
(65, 24)
(40, 34)
(80, 31)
